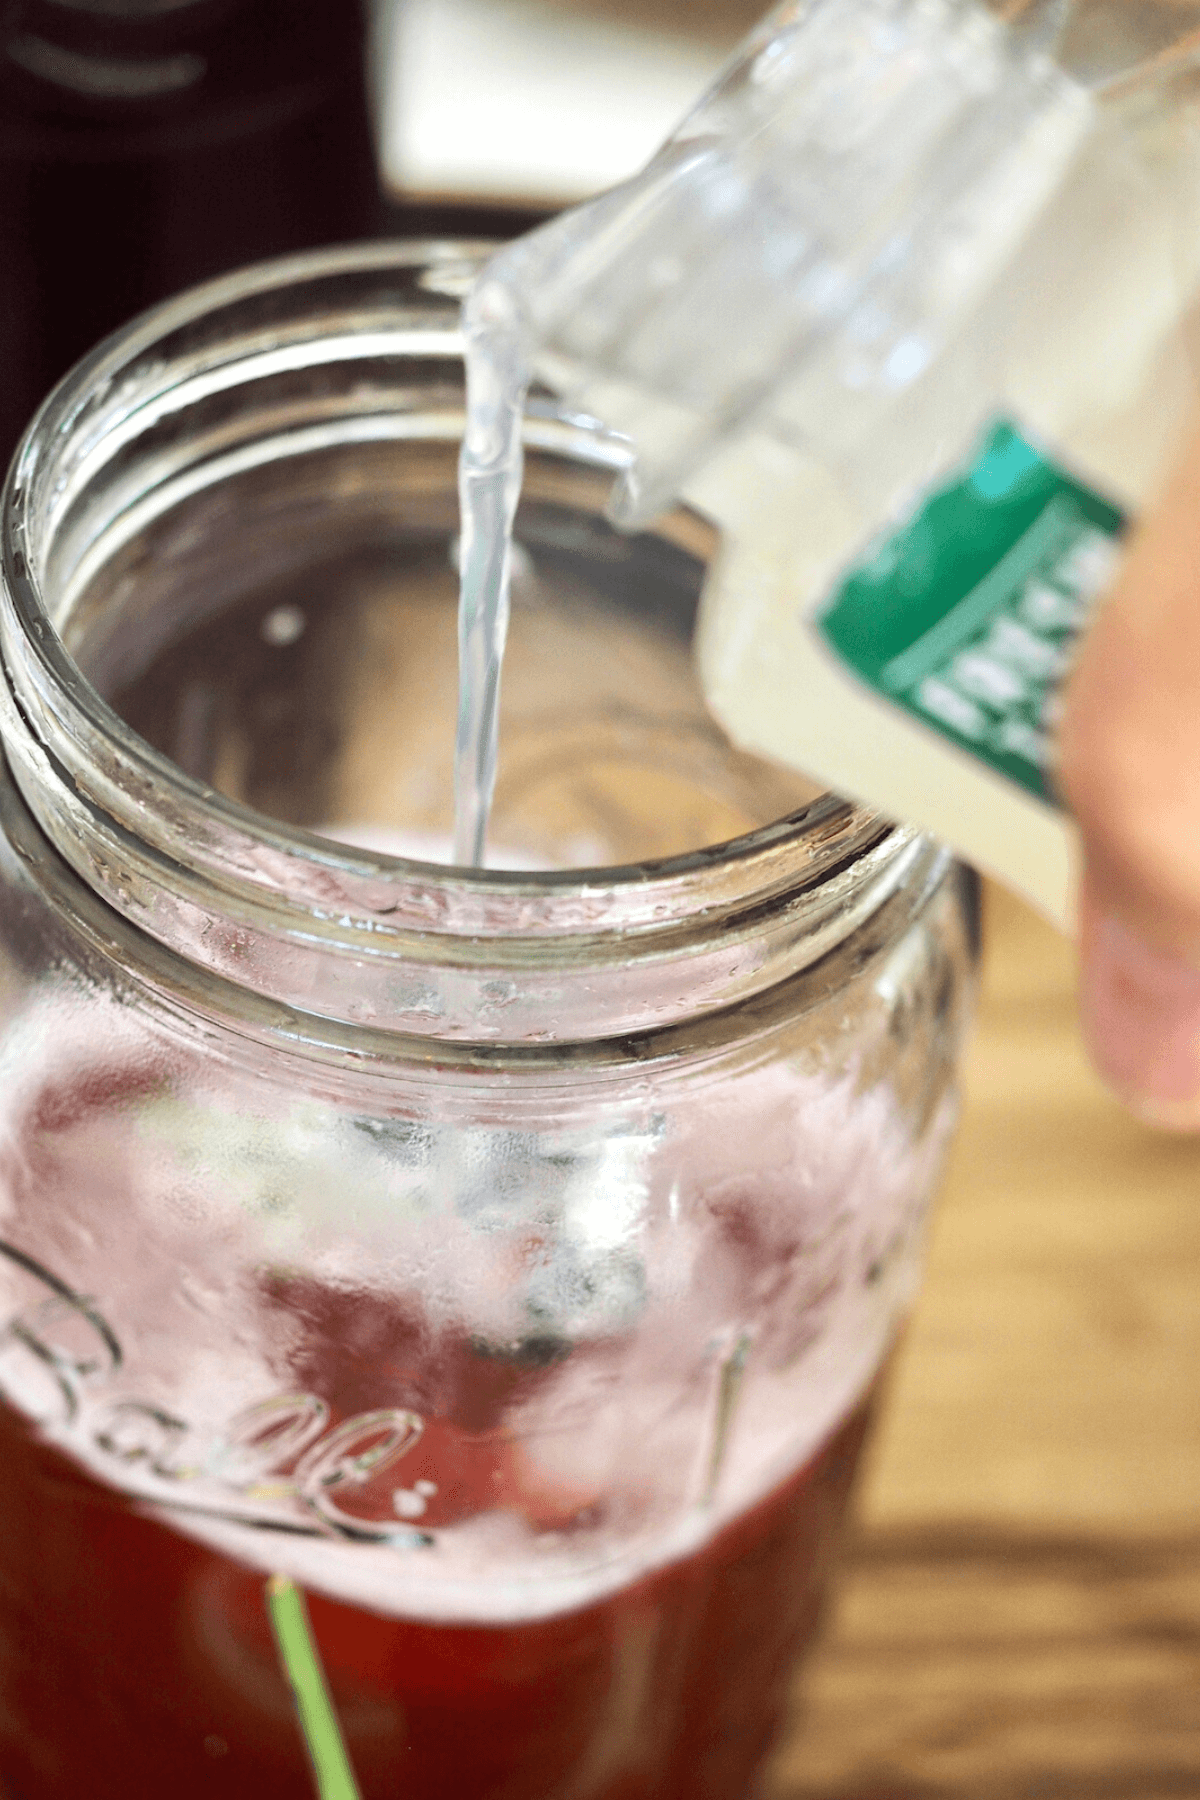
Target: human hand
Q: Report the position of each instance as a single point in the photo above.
(1130, 771)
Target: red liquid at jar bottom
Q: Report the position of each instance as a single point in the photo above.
(135, 1662)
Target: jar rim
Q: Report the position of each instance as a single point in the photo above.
(105, 797)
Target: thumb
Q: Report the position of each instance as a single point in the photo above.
(1130, 771)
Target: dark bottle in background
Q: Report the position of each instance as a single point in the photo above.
(147, 144)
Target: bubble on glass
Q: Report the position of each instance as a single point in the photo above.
(282, 626)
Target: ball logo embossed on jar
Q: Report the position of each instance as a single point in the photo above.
(54, 1354)
(343, 1467)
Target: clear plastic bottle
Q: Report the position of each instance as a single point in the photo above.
(904, 306)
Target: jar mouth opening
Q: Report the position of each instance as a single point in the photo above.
(447, 270)
(252, 898)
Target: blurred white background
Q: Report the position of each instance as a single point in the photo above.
(538, 102)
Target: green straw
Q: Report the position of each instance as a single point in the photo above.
(302, 1666)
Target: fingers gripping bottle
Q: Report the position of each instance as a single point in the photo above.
(904, 306)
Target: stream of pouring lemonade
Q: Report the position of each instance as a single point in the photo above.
(489, 485)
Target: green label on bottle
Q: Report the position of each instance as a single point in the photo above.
(967, 614)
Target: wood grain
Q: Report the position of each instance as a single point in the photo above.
(1019, 1612)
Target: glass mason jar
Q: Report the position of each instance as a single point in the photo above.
(506, 1256)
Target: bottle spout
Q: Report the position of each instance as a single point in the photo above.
(632, 506)
(810, 212)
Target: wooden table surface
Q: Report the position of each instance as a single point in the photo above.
(1019, 1612)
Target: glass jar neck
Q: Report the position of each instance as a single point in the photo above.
(364, 940)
